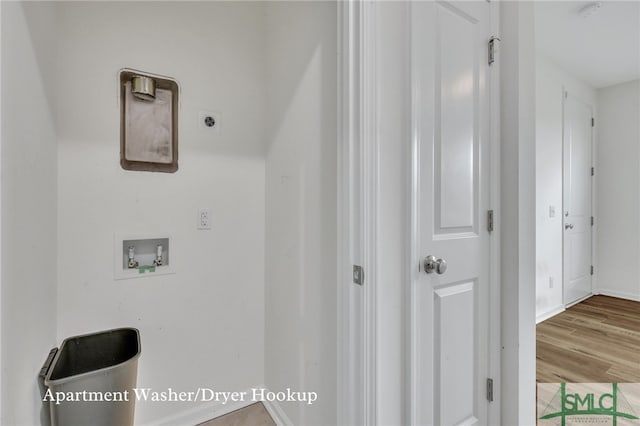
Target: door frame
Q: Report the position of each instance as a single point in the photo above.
(1, 284)
(358, 179)
(515, 243)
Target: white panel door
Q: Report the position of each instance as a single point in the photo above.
(450, 119)
(576, 199)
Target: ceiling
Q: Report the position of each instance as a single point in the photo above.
(601, 50)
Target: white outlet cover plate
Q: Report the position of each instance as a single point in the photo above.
(204, 218)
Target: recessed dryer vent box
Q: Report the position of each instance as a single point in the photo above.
(148, 122)
(137, 257)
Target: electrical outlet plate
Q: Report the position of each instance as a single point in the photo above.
(204, 218)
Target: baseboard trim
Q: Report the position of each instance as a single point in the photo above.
(277, 413)
(200, 414)
(210, 410)
(582, 299)
(618, 294)
(550, 313)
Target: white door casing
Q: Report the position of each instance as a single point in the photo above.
(577, 147)
(450, 197)
(357, 214)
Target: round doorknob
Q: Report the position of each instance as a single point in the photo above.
(432, 264)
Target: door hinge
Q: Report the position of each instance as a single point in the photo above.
(593, 171)
(490, 390)
(593, 122)
(591, 220)
(492, 49)
(490, 221)
(591, 269)
(358, 274)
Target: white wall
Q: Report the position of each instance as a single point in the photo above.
(517, 218)
(29, 197)
(203, 326)
(301, 276)
(618, 188)
(550, 82)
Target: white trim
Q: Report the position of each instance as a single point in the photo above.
(414, 249)
(1, 284)
(342, 221)
(370, 195)
(202, 413)
(277, 413)
(575, 302)
(211, 410)
(618, 294)
(357, 213)
(517, 221)
(594, 197)
(495, 311)
(550, 313)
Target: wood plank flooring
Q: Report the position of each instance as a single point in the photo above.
(252, 415)
(595, 341)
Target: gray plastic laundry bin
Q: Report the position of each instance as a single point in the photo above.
(96, 374)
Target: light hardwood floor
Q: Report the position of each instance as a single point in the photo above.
(595, 341)
(253, 415)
